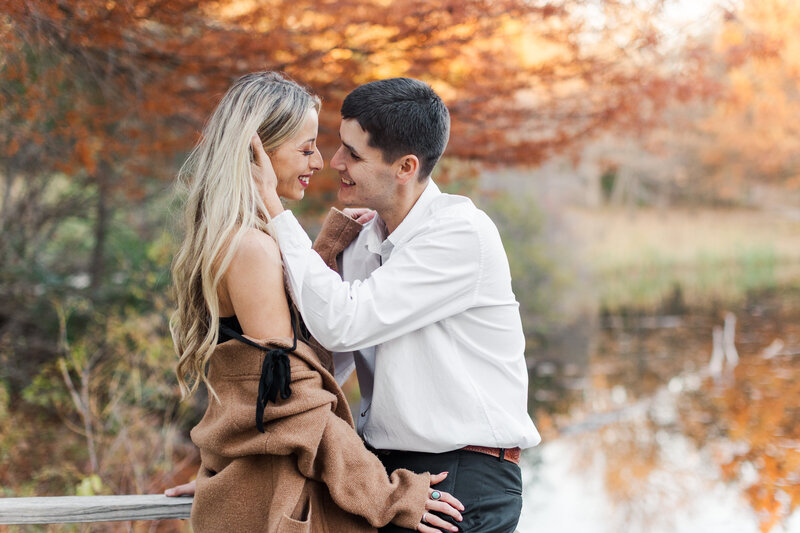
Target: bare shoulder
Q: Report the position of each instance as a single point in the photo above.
(259, 247)
(256, 263)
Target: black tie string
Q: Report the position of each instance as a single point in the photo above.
(276, 376)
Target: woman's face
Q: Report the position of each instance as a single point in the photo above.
(297, 159)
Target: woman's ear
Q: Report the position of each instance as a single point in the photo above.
(408, 169)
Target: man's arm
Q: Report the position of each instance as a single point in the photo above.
(339, 231)
(431, 278)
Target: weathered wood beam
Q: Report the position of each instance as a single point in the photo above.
(64, 509)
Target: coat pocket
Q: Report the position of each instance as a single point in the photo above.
(301, 525)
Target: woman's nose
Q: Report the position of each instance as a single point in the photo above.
(316, 160)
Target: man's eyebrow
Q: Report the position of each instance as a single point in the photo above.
(355, 152)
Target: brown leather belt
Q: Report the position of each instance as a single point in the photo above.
(509, 454)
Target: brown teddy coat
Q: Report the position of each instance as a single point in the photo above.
(309, 471)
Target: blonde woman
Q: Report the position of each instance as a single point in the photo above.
(277, 444)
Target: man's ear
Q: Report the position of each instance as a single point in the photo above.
(407, 169)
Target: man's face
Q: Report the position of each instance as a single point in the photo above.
(365, 180)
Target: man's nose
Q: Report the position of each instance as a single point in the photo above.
(337, 161)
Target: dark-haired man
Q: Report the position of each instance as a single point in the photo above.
(424, 307)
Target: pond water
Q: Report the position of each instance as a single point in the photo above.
(651, 426)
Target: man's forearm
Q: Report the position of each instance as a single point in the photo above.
(395, 299)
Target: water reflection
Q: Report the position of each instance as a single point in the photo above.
(642, 434)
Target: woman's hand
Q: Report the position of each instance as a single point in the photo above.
(187, 489)
(441, 502)
(362, 215)
(265, 177)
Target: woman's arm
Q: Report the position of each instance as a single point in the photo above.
(253, 284)
(326, 447)
(252, 287)
(330, 451)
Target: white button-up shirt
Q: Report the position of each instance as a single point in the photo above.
(431, 322)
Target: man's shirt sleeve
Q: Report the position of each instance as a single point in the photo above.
(434, 276)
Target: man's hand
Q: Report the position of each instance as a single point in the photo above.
(362, 215)
(187, 489)
(265, 177)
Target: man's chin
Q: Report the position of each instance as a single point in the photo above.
(345, 198)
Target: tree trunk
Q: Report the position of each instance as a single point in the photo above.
(97, 265)
(9, 179)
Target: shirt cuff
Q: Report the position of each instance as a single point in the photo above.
(289, 232)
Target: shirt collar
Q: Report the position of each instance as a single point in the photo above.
(375, 234)
(376, 240)
(417, 213)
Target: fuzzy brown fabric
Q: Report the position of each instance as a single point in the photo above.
(309, 472)
(337, 232)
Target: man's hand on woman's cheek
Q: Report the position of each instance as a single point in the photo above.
(265, 177)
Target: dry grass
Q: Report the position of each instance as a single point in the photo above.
(637, 258)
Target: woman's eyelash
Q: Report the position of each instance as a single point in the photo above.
(308, 152)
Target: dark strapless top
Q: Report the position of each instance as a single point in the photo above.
(233, 323)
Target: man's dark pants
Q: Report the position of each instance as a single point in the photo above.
(489, 488)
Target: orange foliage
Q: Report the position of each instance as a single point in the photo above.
(760, 410)
(126, 85)
(753, 131)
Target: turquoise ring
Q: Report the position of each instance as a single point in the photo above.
(435, 495)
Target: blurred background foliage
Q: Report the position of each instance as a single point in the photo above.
(639, 158)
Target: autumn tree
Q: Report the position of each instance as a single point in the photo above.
(521, 78)
(752, 134)
(740, 133)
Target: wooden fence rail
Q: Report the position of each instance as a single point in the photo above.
(64, 509)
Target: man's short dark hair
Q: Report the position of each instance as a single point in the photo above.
(402, 116)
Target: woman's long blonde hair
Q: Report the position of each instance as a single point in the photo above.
(222, 204)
